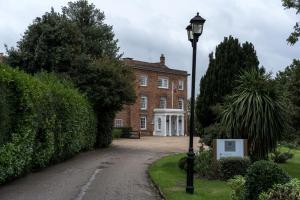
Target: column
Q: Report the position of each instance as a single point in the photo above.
(182, 124)
(177, 125)
(164, 125)
(170, 125)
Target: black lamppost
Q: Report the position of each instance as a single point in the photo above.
(194, 30)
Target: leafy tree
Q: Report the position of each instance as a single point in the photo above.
(109, 85)
(78, 44)
(230, 58)
(289, 81)
(256, 111)
(288, 4)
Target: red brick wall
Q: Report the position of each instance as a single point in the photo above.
(131, 114)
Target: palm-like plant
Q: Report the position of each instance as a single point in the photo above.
(256, 111)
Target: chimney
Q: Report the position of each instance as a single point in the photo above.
(162, 59)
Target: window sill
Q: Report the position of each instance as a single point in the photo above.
(163, 87)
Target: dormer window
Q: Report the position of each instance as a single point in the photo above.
(143, 80)
(163, 82)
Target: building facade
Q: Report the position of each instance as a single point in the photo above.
(160, 107)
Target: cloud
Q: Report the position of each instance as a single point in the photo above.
(146, 29)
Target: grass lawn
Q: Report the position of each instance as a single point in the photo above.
(292, 166)
(172, 180)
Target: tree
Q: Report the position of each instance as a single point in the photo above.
(288, 4)
(256, 111)
(78, 44)
(289, 82)
(229, 59)
(109, 85)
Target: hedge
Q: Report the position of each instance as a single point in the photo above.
(43, 120)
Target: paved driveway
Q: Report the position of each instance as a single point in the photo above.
(115, 173)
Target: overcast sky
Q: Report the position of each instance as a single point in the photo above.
(146, 29)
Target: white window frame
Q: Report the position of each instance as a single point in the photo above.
(144, 102)
(143, 80)
(144, 127)
(180, 85)
(182, 103)
(163, 82)
(165, 102)
(118, 123)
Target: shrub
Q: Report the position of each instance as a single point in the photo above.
(203, 162)
(116, 133)
(237, 184)
(230, 167)
(281, 157)
(182, 163)
(288, 191)
(126, 132)
(49, 121)
(212, 132)
(261, 176)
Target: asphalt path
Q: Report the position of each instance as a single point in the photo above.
(116, 173)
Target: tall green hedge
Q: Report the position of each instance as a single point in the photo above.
(42, 120)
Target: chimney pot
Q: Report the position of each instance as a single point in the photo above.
(162, 59)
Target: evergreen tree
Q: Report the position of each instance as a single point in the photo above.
(289, 81)
(230, 58)
(78, 45)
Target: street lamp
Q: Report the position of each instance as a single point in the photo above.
(194, 30)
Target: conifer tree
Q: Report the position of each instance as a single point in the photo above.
(224, 66)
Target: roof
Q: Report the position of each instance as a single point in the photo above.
(156, 67)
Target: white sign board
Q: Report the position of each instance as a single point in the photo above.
(230, 148)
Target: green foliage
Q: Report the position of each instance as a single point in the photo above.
(7, 112)
(229, 59)
(287, 191)
(116, 133)
(281, 157)
(214, 131)
(256, 111)
(230, 167)
(295, 4)
(237, 185)
(78, 44)
(51, 122)
(289, 83)
(182, 163)
(203, 163)
(65, 42)
(126, 132)
(261, 176)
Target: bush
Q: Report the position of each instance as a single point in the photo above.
(237, 184)
(230, 167)
(288, 191)
(281, 157)
(116, 133)
(214, 131)
(126, 132)
(261, 176)
(203, 162)
(182, 163)
(49, 121)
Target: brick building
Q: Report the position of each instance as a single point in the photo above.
(160, 107)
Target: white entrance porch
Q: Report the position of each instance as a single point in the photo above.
(168, 122)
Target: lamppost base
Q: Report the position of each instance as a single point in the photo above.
(189, 189)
